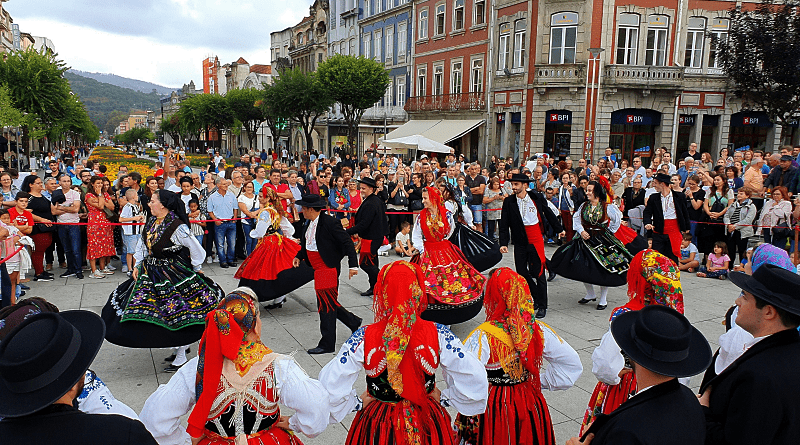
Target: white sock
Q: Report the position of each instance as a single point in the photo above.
(603, 295)
(180, 356)
(589, 291)
(279, 300)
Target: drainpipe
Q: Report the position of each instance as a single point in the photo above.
(489, 78)
(675, 59)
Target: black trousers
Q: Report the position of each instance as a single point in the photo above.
(736, 244)
(56, 246)
(327, 325)
(528, 264)
(209, 239)
(239, 246)
(662, 245)
(369, 262)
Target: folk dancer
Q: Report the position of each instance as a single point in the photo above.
(371, 226)
(666, 214)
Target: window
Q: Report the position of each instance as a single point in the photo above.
(401, 39)
(401, 92)
(378, 51)
(656, 52)
(458, 15)
(502, 53)
(456, 79)
(387, 96)
(367, 7)
(719, 33)
(343, 48)
(333, 14)
(353, 47)
(423, 24)
(694, 42)
(479, 12)
(438, 80)
(367, 44)
(563, 36)
(627, 39)
(476, 76)
(422, 73)
(377, 7)
(439, 20)
(519, 42)
(390, 44)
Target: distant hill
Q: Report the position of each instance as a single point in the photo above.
(124, 82)
(108, 104)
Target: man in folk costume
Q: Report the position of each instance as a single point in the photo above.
(661, 346)
(400, 354)
(371, 226)
(653, 280)
(238, 386)
(511, 344)
(667, 215)
(755, 398)
(324, 244)
(528, 217)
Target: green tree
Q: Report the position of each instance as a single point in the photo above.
(9, 116)
(136, 135)
(276, 122)
(207, 111)
(243, 104)
(356, 83)
(171, 125)
(761, 56)
(302, 97)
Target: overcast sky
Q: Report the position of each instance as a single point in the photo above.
(159, 41)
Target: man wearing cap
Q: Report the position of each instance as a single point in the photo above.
(666, 214)
(528, 217)
(783, 175)
(371, 226)
(755, 398)
(43, 363)
(660, 345)
(323, 245)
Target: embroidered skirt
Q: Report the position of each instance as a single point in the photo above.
(606, 398)
(601, 260)
(381, 423)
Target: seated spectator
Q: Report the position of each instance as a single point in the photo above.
(403, 245)
(688, 260)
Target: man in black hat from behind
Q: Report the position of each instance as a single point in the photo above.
(371, 226)
(666, 214)
(528, 217)
(323, 244)
(660, 345)
(784, 174)
(43, 362)
(756, 399)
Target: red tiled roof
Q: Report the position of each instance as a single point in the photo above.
(261, 69)
(241, 61)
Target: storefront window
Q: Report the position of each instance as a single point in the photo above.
(557, 133)
(749, 130)
(633, 133)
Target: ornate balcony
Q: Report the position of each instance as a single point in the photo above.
(448, 102)
(564, 75)
(650, 77)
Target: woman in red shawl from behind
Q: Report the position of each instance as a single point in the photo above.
(511, 344)
(400, 353)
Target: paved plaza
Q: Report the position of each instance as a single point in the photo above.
(133, 374)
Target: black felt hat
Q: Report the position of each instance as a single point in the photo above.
(369, 181)
(662, 178)
(773, 284)
(662, 340)
(519, 177)
(312, 200)
(44, 357)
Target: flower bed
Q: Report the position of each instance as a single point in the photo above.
(112, 158)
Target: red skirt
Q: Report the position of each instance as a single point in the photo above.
(273, 254)
(625, 234)
(606, 398)
(381, 423)
(449, 277)
(272, 436)
(515, 414)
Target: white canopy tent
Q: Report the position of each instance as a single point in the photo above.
(429, 135)
(417, 142)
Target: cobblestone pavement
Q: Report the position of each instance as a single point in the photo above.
(133, 374)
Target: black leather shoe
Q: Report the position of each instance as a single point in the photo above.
(233, 264)
(172, 368)
(541, 313)
(600, 307)
(551, 276)
(358, 325)
(585, 300)
(223, 265)
(319, 350)
(367, 293)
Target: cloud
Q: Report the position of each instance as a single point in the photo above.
(157, 41)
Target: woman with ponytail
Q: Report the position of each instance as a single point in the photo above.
(400, 353)
(511, 345)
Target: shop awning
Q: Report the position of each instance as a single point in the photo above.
(411, 128)
(440, 131)
(420, 143)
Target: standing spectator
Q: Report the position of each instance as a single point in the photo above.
(66, 212)
(739, 224)
(99, 232)
(696, 197)
(221, 205)
(248, 206)
(776, 218)
(205, 192)
(41, 234)
(691, 152)
(9, 190)
(493, 200)
(753, 179)
(50, 186)
(718, 199)
(784, 175)
(131, 233)
(339, 198)
(733, 179)
(477, 186)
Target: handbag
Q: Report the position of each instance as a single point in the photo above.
(781, 230)
(415, 205)
(400, 198)
(111, 215)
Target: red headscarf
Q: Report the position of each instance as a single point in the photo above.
(438, 225)
(607, 187)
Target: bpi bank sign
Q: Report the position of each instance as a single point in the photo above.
(747, 120)
(634, 119)
(556, 118)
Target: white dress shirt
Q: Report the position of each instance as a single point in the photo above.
(527, 209)
(668, 204)
(311, 235)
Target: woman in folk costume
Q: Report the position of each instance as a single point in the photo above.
(166, 300)
(511, 344)
(653, 279)
(268, 269)
(240, 382)
(400, 353)
(453, 286)
(633, 242)
(595, 255)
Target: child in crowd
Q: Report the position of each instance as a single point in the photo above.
(748, 256)
(196, 217)
(15, 272)
(131, 233)
(717, 263)
(688, 261)
(403, 245)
